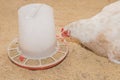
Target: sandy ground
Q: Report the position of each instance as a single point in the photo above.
(80, 64)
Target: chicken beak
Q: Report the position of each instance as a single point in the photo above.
(65, 33)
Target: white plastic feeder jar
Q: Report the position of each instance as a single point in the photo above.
(37, 37)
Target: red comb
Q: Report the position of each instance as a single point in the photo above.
(62, 29)
(66, 33)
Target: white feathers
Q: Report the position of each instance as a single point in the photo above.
(85, 30)
(102, 31)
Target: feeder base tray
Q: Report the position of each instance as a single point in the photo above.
(37, 64)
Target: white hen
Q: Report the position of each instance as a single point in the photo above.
(101, 33)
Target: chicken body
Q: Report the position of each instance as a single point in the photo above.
(100, 33)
